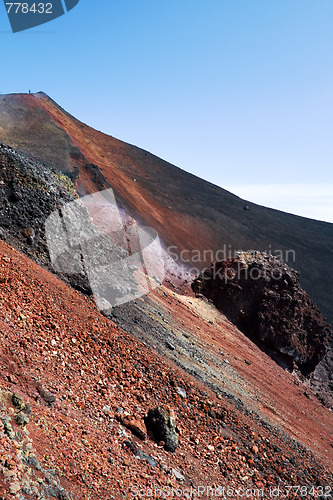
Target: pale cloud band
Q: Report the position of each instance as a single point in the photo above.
(314, 201)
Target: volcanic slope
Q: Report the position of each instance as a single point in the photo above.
(172, 201)
(73, 384)
(194, 339)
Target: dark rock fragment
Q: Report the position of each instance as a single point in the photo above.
(170, 346)
(139, 453)
(161, 426)
(46, 395)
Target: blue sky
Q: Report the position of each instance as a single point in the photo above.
(238, 92)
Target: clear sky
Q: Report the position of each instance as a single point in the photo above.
(238, 92)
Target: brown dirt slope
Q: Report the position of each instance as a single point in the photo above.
(164, 196)
(76, 376)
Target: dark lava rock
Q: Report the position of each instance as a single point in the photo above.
(322, 379)
(146, 458)
(27, 409)
(135, 426)
(161, 426)
(262, 296)
(33, 462)
(170, 346)
(29, 192)
(131, 446)
(46, 395)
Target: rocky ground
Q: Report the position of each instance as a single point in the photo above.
(76, 391)
(29, 192)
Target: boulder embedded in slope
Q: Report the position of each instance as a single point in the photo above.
(262, 296)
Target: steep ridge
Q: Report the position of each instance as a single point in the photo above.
(167, 198)
(30, 191)
(72, 385)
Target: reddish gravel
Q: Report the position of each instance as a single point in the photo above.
(55, 343)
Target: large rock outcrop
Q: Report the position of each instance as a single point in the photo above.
(30, 191)
(196, 220)
(262, 296)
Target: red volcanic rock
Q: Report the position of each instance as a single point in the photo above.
(262, 296)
